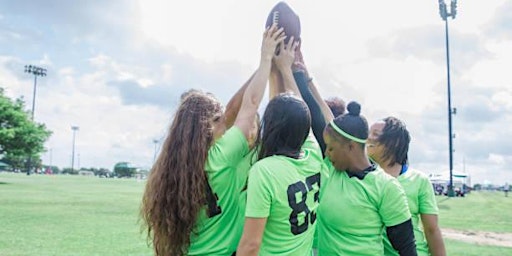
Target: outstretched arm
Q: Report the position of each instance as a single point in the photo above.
(284, 63)
(256, 88)
(275, 81)
(320, 113)
(234, 104)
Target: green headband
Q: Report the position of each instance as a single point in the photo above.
(346, 135)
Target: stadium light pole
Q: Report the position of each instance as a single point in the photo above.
(36, 71)
(75, 129)
(443, 11)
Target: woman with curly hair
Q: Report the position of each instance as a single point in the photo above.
(190, 203)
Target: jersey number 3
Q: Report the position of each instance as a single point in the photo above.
(298, 205)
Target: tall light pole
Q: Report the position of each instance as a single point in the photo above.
(36, 71)
(443, 11)
(74, 128)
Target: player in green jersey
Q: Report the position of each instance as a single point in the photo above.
(190, 204)
(359, 199)
(388, 145)
(284, 184)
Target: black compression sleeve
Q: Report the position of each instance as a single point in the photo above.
(317, 118)
(401, 237)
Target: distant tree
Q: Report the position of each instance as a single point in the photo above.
(477, 187)
(103, 172)
(68, 170)
(124, 169)
(20, 137)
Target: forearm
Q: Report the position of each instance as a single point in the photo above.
(317, 117)
(234, 104)
(435, 242)
(275, 82)
(326, 111)
(256, 88)
(289, 82)
(401, 237)
(245, 249)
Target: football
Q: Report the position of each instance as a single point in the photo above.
(283, 15)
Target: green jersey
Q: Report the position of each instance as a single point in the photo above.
(216, 223)
(243, 174)
(421, 200)
(353, 212)
(286, 191)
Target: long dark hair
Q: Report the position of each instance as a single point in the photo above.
(284, 127)
(176, 188)
(395, 138)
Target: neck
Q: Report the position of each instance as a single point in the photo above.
(393, 170)
(360, 165)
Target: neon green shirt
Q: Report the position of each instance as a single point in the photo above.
(421, 200)
(243, 168)
(286, 191)
(353, 212)
(216, 223)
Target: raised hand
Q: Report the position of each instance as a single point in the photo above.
(271, 38)
(286, 56)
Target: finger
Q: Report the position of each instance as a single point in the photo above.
(272, 29)
(281, 47)
(295, 46)
(277, 33)
(281, 38)
(289, 46)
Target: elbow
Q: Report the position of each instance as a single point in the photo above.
(431, 231)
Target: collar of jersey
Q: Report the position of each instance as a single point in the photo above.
(360, 175)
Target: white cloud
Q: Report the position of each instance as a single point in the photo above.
(118, 77)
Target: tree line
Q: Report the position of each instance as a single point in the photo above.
(21, 139)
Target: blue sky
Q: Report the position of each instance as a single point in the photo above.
(116, 70)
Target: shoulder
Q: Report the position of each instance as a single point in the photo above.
(380, 176)
(265, 165)
(232, 135)
(384, 182)
(417, 176)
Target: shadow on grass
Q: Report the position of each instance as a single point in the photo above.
(4, 183)
(443, 206)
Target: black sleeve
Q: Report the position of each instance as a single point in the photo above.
(401, 237)
(317, 118)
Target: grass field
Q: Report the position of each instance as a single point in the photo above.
(70, 215)
(73, 215)
(484, 211)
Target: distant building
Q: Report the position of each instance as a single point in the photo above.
(461, 182)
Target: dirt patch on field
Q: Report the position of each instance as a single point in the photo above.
(479, 237)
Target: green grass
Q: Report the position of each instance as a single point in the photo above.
(70, 215)
(483, 211)
(457, 248)
(74, 215)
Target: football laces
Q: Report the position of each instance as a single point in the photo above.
(275, 17)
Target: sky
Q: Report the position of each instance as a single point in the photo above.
(116, 70)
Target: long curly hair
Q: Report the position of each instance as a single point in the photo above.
(175, 191)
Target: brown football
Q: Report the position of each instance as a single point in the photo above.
(283, 15)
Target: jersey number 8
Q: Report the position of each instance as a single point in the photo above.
(299, 206)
